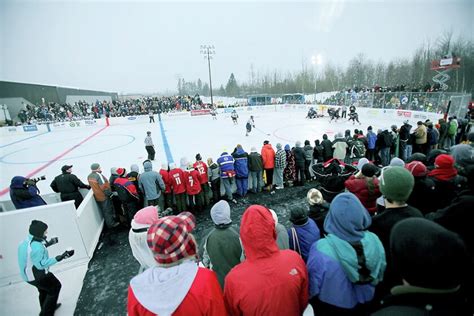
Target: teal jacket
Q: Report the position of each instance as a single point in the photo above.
(33, 259)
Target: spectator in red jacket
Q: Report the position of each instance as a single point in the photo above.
(268, 156)
(270, 281)
(176, 285)
(201, 167)
(193, 188)
(178, 186)
(365, 186)
(168, 195)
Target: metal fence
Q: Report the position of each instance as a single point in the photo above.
(436, 102)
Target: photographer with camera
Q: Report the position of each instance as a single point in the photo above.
(24, 193)
(34, 263)
(68, 185)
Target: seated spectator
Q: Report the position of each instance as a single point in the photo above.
(221, 249)
(447, 181)
(318, 209)
(270, 281)
(431, 261)
(282, 236)
(396, 185)
(176, 285)
(303, 233)
(422, 196)
(142, 220)
(345, 266)
(365, 186)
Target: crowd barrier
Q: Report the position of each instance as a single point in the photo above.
(79, 229)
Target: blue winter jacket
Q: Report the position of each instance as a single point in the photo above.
(33, 259)
(307, 235)
(226, 164)
(371, 138)
(24, 196)
(241, 163)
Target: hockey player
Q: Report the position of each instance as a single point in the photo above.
(214, 114)
(312, 113)
(353, 116)
(333, 114)
(234, 117)
(249, 125)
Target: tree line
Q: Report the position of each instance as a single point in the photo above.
(413, 73)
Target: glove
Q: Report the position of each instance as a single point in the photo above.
(88, 187)
(52, 241)
(66, 254)
(113, 194)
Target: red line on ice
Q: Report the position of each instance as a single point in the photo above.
(32, 173)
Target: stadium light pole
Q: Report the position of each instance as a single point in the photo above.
(316, 60)
(208, 51)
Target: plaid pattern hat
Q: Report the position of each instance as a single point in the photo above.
(170, 238)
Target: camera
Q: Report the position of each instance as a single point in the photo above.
(38, 179)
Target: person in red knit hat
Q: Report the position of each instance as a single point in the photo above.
(176, 285)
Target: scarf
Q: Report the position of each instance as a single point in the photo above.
(443, 174)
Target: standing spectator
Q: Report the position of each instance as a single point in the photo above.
(385, 143)
(137, 236)
(150, 148)
(394, 150)
(340, 147)
(214, 174)
(178, 186)
(371, 140)
(221, 248)
(167, 194)
(318, 209)
(268, 156)
(443, 133)
(431, 262)
(226, 166)
(423, 195)
(201, 167)
(241, 170)
(34, 263)
(308, 155)
(193, 189)
(432, 138)
(282, 239)
(280, 164)
(282, 271)
(452, 130)
(404, 136)
(68, 185)
(133, 176)
(345, 266)
(127, 193)
(24, 193)
(255, 162)
(303, 233)
(420, 138)
(152, 186)
(176, 285)
(357, 149)
(289, 174)
(327, 148)
(365, 186)
(298, 152)
(102, 194)
(317, 152)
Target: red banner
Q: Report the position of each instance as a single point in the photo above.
(200, 112)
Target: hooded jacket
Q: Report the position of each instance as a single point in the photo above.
(137, 237)
(99, 185)
(241, 163)
(334, 272)
(226, 165)
(255, 161)
(280, 159)
(24, 196)
(165, 175)
(360, 187)
(268, 156)
(270, 281)
(151, 182)
(340, 148)
(299, 155)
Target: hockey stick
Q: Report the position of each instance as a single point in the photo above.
(258, 129)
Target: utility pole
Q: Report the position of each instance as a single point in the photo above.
(208, 51)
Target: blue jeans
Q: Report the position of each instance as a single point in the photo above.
(408, 150)
(256, 181)
(385, 156)
(242, 186)
(228, 187)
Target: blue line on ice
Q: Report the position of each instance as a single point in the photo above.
(166, 146)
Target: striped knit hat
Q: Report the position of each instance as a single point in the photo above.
(170, 238)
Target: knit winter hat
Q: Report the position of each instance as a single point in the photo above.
(146, 216)
(417, 157)
(298, 216)
(444, 162)
(417, 169)
(396, 183)
(427, 255)
(220, 213)
(134, 168)
(183, 163)
(314, 197)
(361, 163)
(397, 162)
(198, 157)
(164, 166)
(462, 153)
(120, 171)
(287, 147)
(278, 146)
(347, 218)
(113, 171)
(253, 149)
(170, 238)
(369, 170)
(298, 144)
(37, 228)
(95, 166)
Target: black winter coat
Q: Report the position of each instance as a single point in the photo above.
(299, 156)
(327, 149)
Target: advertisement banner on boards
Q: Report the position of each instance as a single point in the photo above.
(200, 112)
(30, 128)
(406, 114)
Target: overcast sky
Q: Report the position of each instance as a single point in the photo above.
(132, 46)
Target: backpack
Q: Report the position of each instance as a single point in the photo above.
(357, 149)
